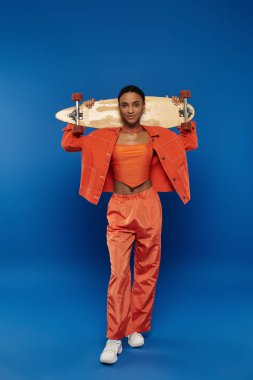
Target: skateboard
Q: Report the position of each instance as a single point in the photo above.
(159, 111)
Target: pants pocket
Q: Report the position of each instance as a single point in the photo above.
(114, 208)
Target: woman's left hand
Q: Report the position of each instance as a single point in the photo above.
(176, 100)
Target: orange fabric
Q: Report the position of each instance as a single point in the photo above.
(132, 217)
(131, 163)
(168, 171)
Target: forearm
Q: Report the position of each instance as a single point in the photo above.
(70, 142)
(189, 138)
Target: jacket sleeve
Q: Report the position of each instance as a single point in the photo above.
(69, 142)
(189, 138)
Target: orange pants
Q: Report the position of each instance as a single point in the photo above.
(132, 217)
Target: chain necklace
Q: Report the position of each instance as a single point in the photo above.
(127, 130)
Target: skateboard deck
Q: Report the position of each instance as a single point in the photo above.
(159, 111)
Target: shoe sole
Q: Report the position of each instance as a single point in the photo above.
(139, 345)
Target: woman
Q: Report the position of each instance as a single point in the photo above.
(134, 214)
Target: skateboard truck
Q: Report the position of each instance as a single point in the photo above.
(76, 115)
(187, 125)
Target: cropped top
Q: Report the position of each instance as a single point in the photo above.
(131, 163)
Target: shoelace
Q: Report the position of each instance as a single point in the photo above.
(112, 346)
(130, 336)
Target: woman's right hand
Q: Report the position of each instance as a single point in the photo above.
(89, 103)
(78, 130)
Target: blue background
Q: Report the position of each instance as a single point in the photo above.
(55, 266)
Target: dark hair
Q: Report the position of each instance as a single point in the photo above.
(131, 88)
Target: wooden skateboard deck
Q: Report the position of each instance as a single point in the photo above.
(159, 111)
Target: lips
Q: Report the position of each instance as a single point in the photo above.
(131, 117)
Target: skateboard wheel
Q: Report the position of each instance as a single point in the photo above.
(187, 126)
(185, 94)
(77, 130)
(77, 96)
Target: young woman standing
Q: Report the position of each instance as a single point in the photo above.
(134, 214)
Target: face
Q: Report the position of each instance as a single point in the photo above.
(131, 107)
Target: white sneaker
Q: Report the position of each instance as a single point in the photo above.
(135, 340)
(112, 348)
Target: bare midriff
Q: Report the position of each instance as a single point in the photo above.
(140, 138)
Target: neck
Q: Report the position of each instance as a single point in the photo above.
(132, 126)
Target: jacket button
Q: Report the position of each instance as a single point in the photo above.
(174, 179)
(152, 138)
(184, 196)
(163, 158)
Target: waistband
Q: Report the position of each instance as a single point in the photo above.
(142, 194)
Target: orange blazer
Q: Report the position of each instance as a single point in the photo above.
(169, 168)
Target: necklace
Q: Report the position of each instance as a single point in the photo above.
(127, 130)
